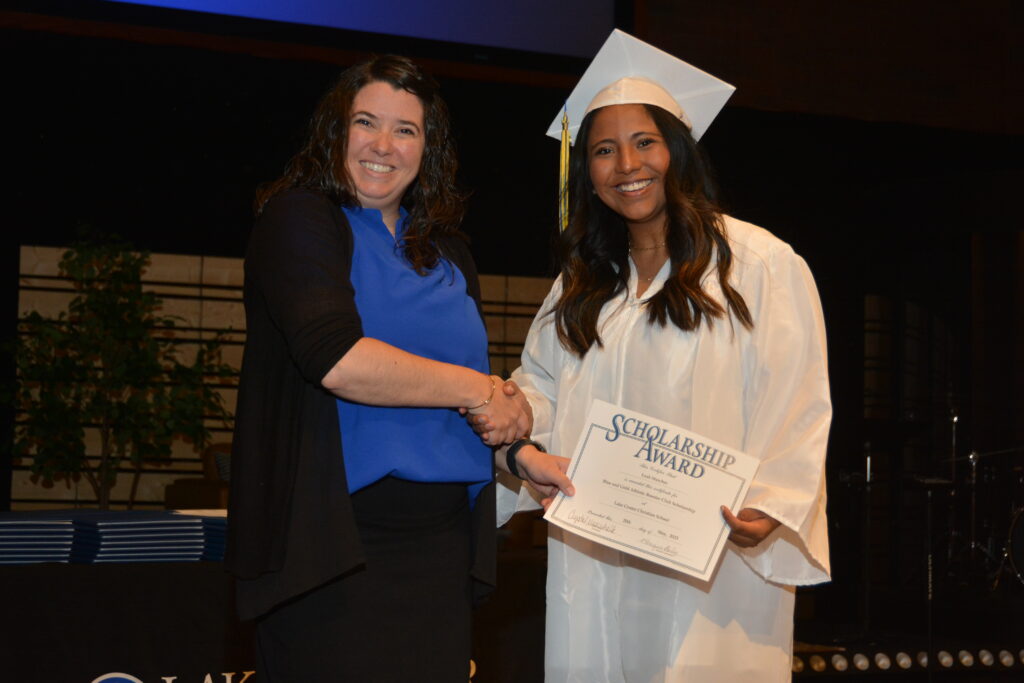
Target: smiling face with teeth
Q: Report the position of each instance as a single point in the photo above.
(385, 146)
(628, 159)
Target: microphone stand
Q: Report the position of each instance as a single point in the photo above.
(951, 514)
(930, 589)
(972, 458)
(865, 612)
(929, 485)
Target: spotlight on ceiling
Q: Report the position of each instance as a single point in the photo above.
(817, 663)
(882, 661)
(986, 657)
(965, 657)
(1006, 658)
(922, 660)
(903, 660)
(798, 664)
(839, 662)
(945, 659)
(861, 662)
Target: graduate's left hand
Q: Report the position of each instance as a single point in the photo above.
(749, 527)
(546, 473)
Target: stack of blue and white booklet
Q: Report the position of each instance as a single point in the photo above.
(215, 531)
(138, 536)
(98, 536)
(27, 538)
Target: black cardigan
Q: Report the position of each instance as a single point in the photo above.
(291, 526)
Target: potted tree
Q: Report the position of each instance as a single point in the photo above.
(111, 363)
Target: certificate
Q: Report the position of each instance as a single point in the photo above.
(652, 489)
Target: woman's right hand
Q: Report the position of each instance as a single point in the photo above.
(507, 416)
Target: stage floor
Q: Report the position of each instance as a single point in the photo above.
(964, 619)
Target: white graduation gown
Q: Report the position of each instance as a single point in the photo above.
(615, 618)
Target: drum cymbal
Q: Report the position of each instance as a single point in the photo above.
(975, 455)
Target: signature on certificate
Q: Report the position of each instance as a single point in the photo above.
(663, 548)
(592, 520)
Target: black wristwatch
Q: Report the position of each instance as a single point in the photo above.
(510, 454)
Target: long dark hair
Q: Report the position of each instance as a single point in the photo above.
(594, 249)
(434, 202)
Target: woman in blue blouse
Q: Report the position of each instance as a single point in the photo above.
(362, 510)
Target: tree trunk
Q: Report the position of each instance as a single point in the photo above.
(136, 475)
(94, 483)
(106, 482)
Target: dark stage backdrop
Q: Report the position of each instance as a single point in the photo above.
(568, 27)
(165, 144)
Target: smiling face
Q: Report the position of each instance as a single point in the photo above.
(629, 159)
(385, 146)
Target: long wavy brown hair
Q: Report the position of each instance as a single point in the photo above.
(435, 204)
(594, 249)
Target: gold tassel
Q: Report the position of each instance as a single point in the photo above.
(563, 173)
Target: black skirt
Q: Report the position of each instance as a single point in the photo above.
(404, 616)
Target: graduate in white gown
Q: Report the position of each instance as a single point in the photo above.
(667, 307)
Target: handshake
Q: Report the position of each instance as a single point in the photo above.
(507, 417)
(502, 418)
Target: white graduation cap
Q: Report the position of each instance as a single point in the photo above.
(627, 70)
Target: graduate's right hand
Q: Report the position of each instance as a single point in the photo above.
(483, 425)
(506, 418)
